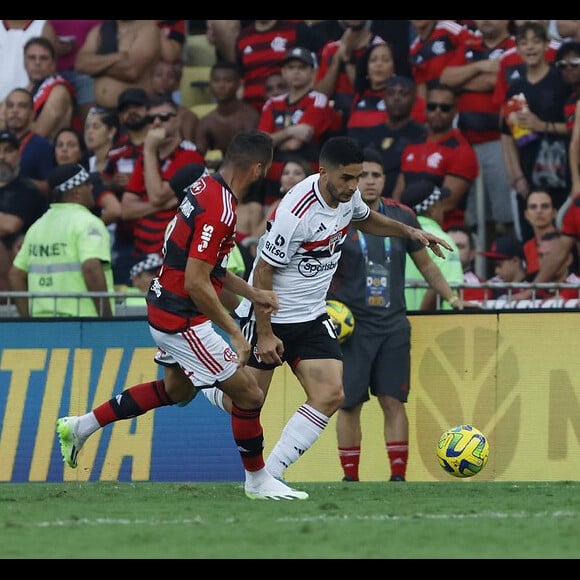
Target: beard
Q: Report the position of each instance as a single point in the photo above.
(136, 123)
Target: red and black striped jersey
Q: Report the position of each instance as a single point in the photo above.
(429, 57)
(259, 54)
(478, 113)
(149, 230)
(343, 89)
(173, 29)
(202, 228)
(312, 109)
(369, 109)
(122, 158)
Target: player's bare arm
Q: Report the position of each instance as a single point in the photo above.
(270, 347)
(199, 287)
(381, 225)
(266, 299)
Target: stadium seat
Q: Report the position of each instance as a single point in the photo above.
(194, 85)
(199, 52)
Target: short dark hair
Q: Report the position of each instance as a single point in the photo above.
(341, 151)
(226, 65)
(162, 100)
(247, 147)
(41, 41)
(372, 156)
(537, 28)
(566, 48)
(439, 86)
(466, 231)
(23, 91)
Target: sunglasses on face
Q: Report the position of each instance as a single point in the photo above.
(443, 107)
(161, 116)
(573, 62)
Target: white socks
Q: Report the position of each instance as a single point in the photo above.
(300, 433)
(87, 425)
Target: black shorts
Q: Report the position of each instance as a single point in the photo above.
(315, 339)
(376, 364)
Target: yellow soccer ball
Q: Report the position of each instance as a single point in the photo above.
(342, 319)
(463, 451)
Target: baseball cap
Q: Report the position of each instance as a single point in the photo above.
(9, 137)
(302, 54)
(132, 97)
(151, 262)
(422, 194)
(68, 176)
(185, 176)
(505, 248)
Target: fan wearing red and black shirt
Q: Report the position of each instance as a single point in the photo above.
(335, 76)
(369, 109)
(298, 121)
(148, 198)
(433, 48)
(473, 72)
(172, 39)
(444, 157)
(260, 49)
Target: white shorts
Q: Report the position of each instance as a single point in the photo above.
(203, 354)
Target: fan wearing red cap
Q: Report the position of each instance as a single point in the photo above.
(510, 264)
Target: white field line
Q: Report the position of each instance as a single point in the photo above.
(321, 518)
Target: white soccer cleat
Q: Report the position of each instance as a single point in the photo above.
(274, 489)
(70, 442)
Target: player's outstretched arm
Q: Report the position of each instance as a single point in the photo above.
(381, 225)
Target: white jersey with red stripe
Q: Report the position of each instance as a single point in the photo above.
(303, 243)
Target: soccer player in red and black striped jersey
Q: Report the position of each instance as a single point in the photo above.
(183, 305)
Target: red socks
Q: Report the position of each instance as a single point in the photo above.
(349, 459)
(133, 402)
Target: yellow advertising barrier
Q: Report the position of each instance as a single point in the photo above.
(514, 376)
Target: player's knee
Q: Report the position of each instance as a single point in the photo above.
(328, 399)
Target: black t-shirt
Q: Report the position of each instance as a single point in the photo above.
(24, 200)
(390, 143)
(546, 99)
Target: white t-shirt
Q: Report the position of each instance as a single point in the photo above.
(12, 40)
(304, 244)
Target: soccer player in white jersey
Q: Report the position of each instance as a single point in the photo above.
(297, 257)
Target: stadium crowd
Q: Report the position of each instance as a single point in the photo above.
(482, 112)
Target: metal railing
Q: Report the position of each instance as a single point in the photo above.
(127, 305)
